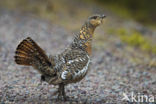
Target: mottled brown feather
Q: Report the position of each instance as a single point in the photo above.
(28, 52)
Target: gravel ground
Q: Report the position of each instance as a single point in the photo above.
(110, 76)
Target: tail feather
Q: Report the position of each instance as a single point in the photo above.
(23, 61)
(29, 53)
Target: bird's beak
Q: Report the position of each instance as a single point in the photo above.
(103, 16)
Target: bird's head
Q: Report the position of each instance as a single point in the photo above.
(96, 20)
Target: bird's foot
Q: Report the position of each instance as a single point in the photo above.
(41, 80)
(39, 84)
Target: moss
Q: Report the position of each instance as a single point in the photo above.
(134, 38)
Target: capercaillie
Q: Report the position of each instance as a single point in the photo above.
(70, 66)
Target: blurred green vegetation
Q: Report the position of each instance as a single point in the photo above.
(60, 12)
(56, 11)
(33, 6)
(134, 38)
(141, 10)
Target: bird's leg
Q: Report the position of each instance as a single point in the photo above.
(61, 92)
(41, 80)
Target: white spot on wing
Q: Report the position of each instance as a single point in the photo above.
(71, 61)
(84, 70)
(63, 60)
(80, 72)
(64, 74)
(81, 59)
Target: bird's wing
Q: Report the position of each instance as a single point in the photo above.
(76, 65)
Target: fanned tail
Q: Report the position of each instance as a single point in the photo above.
(29, 53)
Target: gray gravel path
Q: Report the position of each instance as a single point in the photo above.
(108, 78)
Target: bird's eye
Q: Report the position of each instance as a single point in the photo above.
(94, 17)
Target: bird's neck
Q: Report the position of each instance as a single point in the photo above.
(83, 40)
(86, 31)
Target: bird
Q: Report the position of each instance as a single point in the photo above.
(69, 66)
